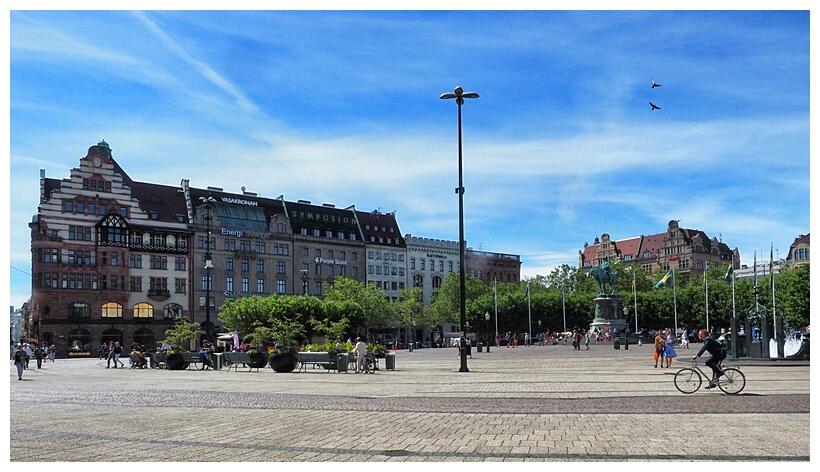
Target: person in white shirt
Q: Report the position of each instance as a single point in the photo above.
(359, 351)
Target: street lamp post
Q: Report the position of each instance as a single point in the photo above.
(460, 95)
(487, 318)
(207, 203)
(304, 281)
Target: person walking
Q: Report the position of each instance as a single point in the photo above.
(20, 361)
(660, 348)
(669, 351)
(52, 352)
(29, 353)
(684, 340)
(117, 353)
(38, 354)
(586, 339)
(110, 356)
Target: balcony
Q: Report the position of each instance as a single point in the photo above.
(159, 295)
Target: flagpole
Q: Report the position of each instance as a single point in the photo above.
(774, 308)
(635, 295)
(529, 311)
(735, 335)
(495, 299)
(563, 308)
(675, 300)
(706, 279)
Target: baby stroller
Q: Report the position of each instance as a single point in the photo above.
(138, 360)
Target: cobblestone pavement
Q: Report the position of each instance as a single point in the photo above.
(549, 403)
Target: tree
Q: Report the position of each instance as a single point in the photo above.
(375, 307)
(182, 331)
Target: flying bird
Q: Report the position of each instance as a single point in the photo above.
(655, 85)
(654, 107)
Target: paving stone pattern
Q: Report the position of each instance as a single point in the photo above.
(538, 403)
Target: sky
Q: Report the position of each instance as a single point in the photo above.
(343, 107)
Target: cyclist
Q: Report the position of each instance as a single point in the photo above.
(717, 354)
(359, 351)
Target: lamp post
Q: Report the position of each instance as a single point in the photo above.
(460, 95)
(487, 318)
(304, 281)
(207, 203)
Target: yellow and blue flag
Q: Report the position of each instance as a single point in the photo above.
(729, 271)
(664, 281)
(527, 292)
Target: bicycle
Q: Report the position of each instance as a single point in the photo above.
(689, 379)
(368, 365)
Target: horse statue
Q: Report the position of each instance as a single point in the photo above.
(604, 275)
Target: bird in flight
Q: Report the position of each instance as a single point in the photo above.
(654, 107)
(655, 85)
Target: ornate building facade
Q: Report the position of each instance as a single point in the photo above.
(688, 251)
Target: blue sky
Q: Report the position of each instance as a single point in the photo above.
(342, 107)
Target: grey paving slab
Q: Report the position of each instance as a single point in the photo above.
(542, 404)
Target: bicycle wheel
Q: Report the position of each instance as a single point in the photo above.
(732, 381)
(688, 380)
(369, 366)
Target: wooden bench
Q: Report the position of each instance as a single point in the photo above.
(323, 359)
(233, 359)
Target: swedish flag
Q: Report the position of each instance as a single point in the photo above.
(729, 271)
(664, 281)
(527, 292)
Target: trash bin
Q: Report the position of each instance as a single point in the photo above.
(480, 347)
(617, 343)
(411, 347)
(626, 344)
(390, 361)
(341, 362)
(217, 359)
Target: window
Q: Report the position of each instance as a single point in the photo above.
(305, 252)
(354, 272)
(69, 206)
(143, 310)
(245, 266)
(158, 262)
(436, 282)
(111, 310)
(179, 263)
(180, 285)
(246, 286)
(259, 246)
(207, 282)
(230, 244)
(342, 271)
(135, 261)
(135, 284)
(319, 253)
(79, 310)
(101, 210)
(280, 267)
(417, 280)
(229, 263)
(421, 264)
(317, 288)
(330, 271)
(260, 285)
(229, 284)
(318, 269)
(115, 258)
(260, 265)
(157, 286)
(80, 207)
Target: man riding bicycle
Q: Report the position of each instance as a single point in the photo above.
(718, 354)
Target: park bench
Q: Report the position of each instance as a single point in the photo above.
(157, 360)
(323, 359)
(192, 358)
(233, 359)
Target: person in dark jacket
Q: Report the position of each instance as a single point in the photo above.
(717, 354)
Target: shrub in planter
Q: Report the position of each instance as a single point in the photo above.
(174, 361)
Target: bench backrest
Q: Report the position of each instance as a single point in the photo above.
(314, 356)
(237, 357)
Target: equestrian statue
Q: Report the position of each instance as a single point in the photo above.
(604, 275)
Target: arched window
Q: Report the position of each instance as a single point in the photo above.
(172, 310)
(112, 310)
(143, 310)
(79, 310)
(79, 342)
(144, 337)
(436, 282)
(112, 335)
(418, 280)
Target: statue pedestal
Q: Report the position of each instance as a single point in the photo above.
(609, 311)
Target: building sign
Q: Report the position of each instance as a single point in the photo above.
(322, 218)
(237, 294)
(240, 233)
(239, 201)
(319, 260)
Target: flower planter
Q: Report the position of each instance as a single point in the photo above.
(283, 361)
(258, 359)
(175, 361)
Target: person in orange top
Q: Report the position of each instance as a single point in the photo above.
(660, 348)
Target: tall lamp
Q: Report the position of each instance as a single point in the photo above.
(460, 95)
(207, 203)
